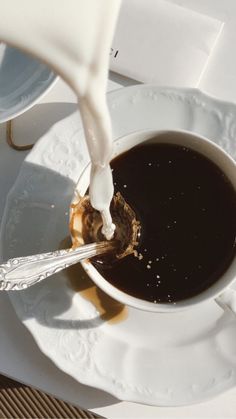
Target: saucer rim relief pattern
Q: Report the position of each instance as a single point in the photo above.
(225, 113)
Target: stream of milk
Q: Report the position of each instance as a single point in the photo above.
(74, 38)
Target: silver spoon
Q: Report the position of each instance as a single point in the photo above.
(23, 272)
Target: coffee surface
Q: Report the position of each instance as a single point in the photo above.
(187, 209)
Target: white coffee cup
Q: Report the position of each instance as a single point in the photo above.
(220, 290)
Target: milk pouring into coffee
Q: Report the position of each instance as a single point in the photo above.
(74, 38)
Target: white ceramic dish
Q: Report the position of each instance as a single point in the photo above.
(159, 359)
(23, 81)
(220, 290)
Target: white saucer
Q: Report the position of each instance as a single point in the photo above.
(23, 81)
(158, 359)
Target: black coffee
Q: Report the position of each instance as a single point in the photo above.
(187, 210)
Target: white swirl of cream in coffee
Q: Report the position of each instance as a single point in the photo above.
(74, 38)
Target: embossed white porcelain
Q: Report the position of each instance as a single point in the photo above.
(159, 359)
(221, 159)
(23, 80)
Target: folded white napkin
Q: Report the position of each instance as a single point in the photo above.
(160, 42)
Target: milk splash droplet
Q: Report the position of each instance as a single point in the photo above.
(101, 191)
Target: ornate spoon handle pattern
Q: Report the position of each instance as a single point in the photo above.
(23, 272)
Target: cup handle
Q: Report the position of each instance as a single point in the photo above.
(227, 300)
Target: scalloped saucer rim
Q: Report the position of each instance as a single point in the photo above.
(206, 335)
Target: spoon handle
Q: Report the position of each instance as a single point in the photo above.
(23, 272)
